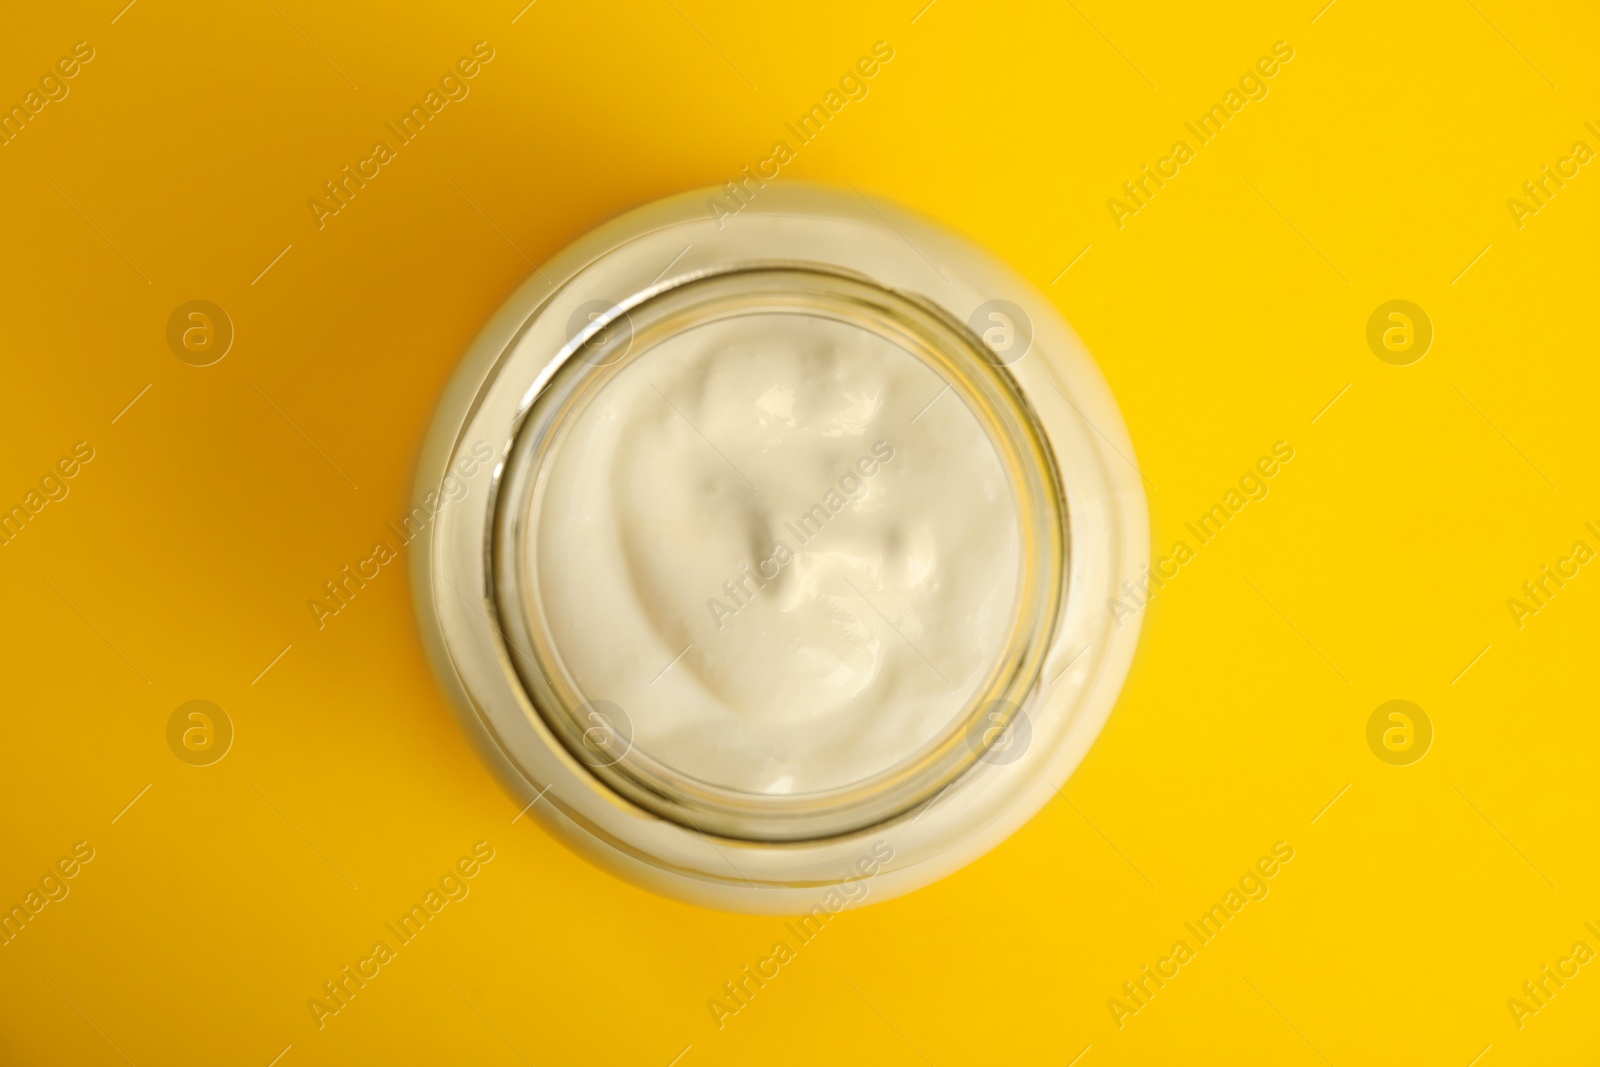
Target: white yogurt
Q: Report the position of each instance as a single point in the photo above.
(783, 547)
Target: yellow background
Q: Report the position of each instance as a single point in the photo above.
(1225, 316)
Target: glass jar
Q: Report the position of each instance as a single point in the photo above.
(897, 478)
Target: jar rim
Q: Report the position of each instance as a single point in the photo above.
(595, 731)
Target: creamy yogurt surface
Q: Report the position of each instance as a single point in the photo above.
(783, 546)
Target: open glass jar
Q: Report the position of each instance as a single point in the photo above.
(787, 582)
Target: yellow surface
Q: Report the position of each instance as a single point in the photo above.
(1227, 313)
